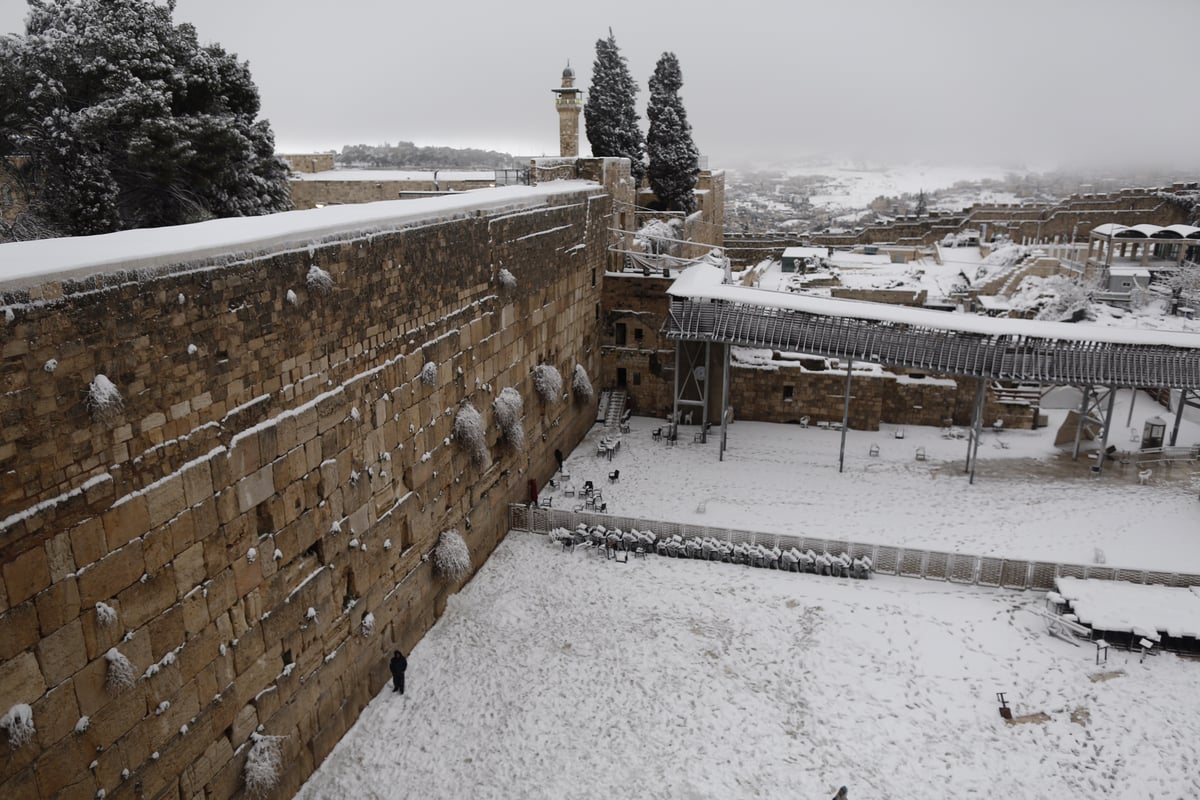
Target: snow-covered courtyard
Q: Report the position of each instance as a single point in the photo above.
(561, 674)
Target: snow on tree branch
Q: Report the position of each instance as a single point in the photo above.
(470, 433)
(451, 556)
(509, 408)
(582, 385)
(548, 383)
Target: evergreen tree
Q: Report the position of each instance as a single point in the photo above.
(610, 118)
(922, 204)
(126, 121)
(674, 159)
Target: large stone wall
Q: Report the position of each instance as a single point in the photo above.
(308, 193)
(258, 512)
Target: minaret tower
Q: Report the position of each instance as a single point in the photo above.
(569, 103)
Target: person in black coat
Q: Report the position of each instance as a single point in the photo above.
(398, 664)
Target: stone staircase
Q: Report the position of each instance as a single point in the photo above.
(615, 408)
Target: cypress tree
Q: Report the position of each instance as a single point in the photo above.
(674, 159)
(125, 121)
(609, 117)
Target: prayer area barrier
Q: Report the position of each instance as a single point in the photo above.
(885, 559)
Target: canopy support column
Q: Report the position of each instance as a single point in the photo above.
(1083, 411)
(1187, 397)
(845, 416)
(1108, 418)
(976, 426)
(725, 380)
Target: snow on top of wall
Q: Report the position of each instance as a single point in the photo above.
(703, 282)
(25, 264)
(383, 175)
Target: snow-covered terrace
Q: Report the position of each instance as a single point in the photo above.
(24, 265)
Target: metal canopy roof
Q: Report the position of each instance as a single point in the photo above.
(999, 356)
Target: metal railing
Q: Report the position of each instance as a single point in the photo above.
(886, 560)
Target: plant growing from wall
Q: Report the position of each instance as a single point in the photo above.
(507, 279)
(318, 280)
(548, 383)
(471, 436)
(17, 724)
(509, 408)
(581, 385)
(106, 614)
(429, 373)
(121, 674)
(104, 399)
(451, 556)
(263, 764)
(674, 159)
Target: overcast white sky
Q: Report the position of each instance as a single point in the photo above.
(1017, 82)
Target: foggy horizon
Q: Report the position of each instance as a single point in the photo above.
(1032, 85)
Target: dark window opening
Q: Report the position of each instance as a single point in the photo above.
(622, 378)
(787, 394)
(593, 276)
(619, 334)
(638, 333)
(637, 379)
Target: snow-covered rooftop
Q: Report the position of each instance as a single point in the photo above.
(1133, 608)
(25, 264)
(704, 282)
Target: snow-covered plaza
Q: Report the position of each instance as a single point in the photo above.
(557, 674)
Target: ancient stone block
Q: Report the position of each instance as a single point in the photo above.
(255, 488)
(21, 681)
(26, 575)
(165, 499)
(197, 482)
(62, 765)
(57, 605)
(59, 558)
(190, 569)
(62, 653)
(18, 630)
(220, 594)
(145, 599)
(56, 714)
(127, 521)
(118, 716)
(111, 574)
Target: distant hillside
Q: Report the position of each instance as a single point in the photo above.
(406, 155)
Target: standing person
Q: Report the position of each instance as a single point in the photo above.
(841, 795)
(398, 664)
(558, 456)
